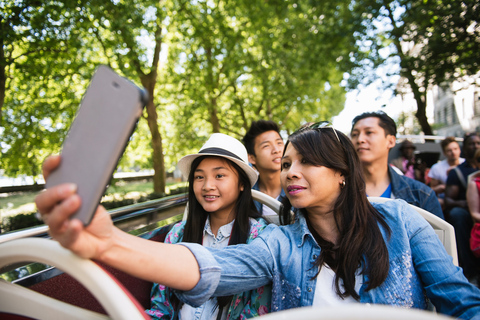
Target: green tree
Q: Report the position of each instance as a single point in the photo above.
(41, 80)
(48, 51)
(230, 63)
(120, 29)
(227, 64)
(433, 41)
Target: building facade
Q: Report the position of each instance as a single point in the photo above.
(456, 108)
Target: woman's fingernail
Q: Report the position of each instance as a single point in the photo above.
(68, 189)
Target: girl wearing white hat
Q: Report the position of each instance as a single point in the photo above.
(221, 212)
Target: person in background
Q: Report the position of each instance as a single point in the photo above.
(265, 146)
(473, 200)
(374, 134)
(456, 206)
(406, 162)
(439, 171)
(338, 249)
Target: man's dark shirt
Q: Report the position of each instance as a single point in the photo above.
(466, 169)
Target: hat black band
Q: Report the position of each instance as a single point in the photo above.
(220, 152)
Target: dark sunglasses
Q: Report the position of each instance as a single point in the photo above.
(319, 125)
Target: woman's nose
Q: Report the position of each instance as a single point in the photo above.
(294, 171)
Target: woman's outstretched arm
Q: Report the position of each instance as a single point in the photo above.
(172, 265)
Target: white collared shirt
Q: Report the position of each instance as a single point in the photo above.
(209, 309)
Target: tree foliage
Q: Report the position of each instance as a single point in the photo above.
(234, 62)
(41, 80)
(434, 41)
(209, 66)
(119, 28)
(56, 40)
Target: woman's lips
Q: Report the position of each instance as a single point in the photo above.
(292, 190)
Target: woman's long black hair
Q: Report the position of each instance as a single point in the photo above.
(361, 242)
(197, 216)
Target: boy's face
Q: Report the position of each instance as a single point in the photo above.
(370, 140)
(268, 151)
(452, 151)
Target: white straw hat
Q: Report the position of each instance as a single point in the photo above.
(221, 145)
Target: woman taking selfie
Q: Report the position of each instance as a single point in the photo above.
(338, 248)
(220, 212)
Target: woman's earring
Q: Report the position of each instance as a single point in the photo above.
(343, 184)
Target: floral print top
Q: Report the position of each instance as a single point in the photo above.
(248, 304)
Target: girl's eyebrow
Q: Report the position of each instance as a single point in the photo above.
(216, 169)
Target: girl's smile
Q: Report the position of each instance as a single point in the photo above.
(216, 186)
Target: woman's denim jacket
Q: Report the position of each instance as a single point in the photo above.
(420, 268)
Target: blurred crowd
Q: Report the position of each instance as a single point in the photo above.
(454, 180)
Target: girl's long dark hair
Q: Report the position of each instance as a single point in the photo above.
(197, 216)
(361, 242)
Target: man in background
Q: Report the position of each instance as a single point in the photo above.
(439, 171)
(456, 205)
(265, 148)
(374, 134)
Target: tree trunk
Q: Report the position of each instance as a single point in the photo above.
(421, 100)
(149, 80)
(422, 118)
(159, 177)
(420, 97)
(213, 116)
(3, 80)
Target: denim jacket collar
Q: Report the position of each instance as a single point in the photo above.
(301, 224)
(400, 189)
(414, 192)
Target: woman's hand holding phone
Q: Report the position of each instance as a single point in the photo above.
(57, 204)
(172, 265)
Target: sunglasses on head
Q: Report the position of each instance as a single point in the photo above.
(318, 125)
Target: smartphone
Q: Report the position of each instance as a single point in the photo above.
(97, 138)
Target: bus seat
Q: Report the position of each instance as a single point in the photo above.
(270, 202)
(443, 229)
(113, 296)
